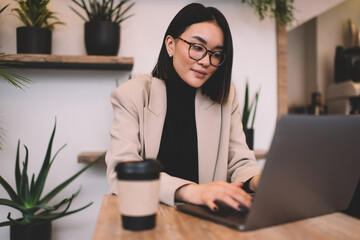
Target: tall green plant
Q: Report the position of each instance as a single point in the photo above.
(104, 10)
(27, 195)
(281, 10)
(249, 108)
(35, 13)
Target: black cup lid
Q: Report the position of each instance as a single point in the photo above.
(138, 170)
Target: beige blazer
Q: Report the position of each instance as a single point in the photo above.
(139, 113)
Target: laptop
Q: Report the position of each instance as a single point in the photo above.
(312, 168)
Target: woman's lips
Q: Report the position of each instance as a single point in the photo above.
(199, 73)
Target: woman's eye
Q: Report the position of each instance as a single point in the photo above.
(217, 55)
(198, 48)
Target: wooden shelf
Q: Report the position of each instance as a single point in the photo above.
(89, 157)
(67, 62)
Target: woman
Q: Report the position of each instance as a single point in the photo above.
(186, 115)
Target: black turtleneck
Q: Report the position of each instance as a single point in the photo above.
(178, 148)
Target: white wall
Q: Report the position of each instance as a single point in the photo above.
(80, 99)
(309, 9)
(327, 31)
(302, 64)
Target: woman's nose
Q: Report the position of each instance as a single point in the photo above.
(205, 61)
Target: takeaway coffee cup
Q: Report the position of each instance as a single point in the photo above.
(138, 193)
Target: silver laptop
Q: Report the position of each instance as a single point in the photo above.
(312, 169)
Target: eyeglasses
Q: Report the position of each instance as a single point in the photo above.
(198, 51)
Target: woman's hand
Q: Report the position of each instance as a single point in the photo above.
(231, 194)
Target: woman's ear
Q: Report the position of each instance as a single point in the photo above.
(170, 45)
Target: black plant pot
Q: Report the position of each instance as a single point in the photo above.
(33, 40)
(249, 133)
(102, 38)
(40, 231)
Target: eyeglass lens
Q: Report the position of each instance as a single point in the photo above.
(198, 51)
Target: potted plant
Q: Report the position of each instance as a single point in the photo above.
(26, 196)
(249, 111)
(281, 10)
(36, 35)
(102, 25)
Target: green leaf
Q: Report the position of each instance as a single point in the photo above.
(32, 185)
(79, 14)
(35, 13)
(17, 170)
(10, 203)
(1, 10)
(14, 79)
(57, 152)
(249, 108)
(104, 10)
(12, 194)
(281, 10)
(61, 186)
(64, 201)
(254, 113)
(40, 181)
(245, 115)
(53, 216)
(119, 18)
(25, 177)
(4, 224)
(20, 221)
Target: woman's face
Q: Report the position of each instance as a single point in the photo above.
(195, 72)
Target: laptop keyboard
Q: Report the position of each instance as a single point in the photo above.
(226, 215)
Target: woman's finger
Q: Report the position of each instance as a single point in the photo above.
(210, 204)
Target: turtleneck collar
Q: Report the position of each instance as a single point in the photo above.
(179, 92)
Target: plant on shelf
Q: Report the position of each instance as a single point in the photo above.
(249, 111)
(104, 11)
(281, 10)
(102, 24)
(39, 21)
(27, 196)
(35, 13)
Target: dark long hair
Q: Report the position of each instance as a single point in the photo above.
(218, 85)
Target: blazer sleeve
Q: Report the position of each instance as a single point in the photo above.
(124, 134)
(242, 164)
(128, 102)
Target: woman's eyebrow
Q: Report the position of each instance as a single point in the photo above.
(200, 39)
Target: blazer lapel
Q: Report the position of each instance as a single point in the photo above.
(154, 117)
(208, 125)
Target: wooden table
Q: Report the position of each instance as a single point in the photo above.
(172, 224)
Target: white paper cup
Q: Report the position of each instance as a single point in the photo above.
(138, 193)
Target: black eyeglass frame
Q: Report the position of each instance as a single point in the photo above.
(206, 52)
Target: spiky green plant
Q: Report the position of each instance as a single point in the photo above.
(105, 10)
(12, 78)
(1, 10)
(27, 196)
(282, 10)
(35, 13)
(249, 107)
